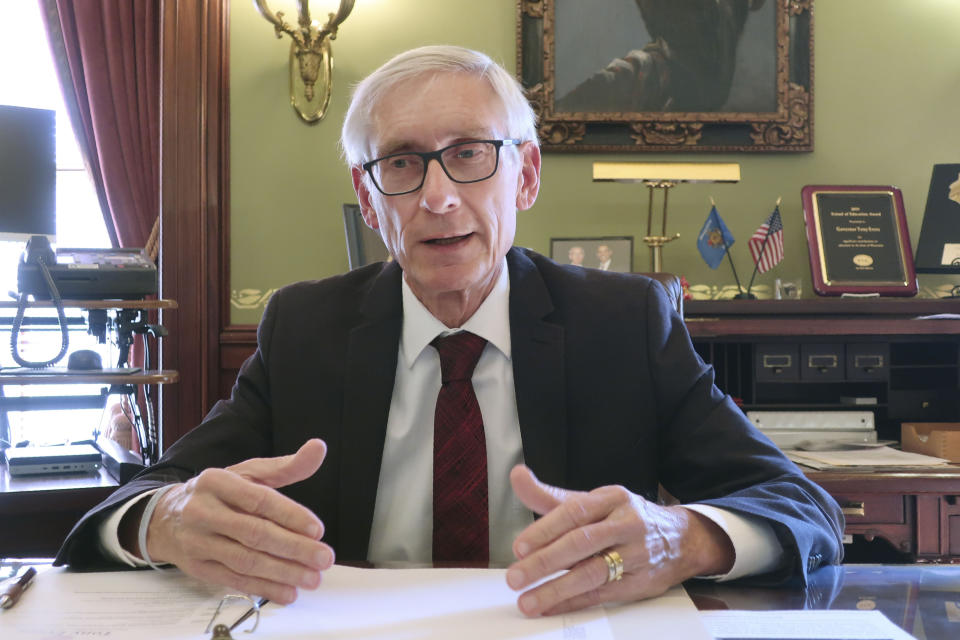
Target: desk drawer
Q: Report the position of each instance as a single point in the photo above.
(823, 362)
(879, 509)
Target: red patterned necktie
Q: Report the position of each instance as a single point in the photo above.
(460, 510)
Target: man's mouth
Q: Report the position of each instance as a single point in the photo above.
(450, 240)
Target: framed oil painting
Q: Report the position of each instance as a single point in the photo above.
(663, 75)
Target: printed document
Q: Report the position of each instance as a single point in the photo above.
(381, 604)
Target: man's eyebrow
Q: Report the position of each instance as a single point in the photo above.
(399, 146)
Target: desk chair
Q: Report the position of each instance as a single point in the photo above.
(672, 284)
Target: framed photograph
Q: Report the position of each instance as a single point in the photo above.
(858, 240)
(938, 249)
(609, 253)
(364, 245)
(658, 75)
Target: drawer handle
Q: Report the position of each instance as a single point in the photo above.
(822, 362)
(853, 509)
(868, 362)
(777, 361)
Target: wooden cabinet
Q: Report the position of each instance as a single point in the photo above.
(833, 355)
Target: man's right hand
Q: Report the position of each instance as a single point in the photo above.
(232, 527)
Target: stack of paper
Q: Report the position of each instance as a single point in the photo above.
(882, 457)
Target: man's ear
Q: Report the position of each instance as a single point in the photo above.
(528, 182)
(364, 197)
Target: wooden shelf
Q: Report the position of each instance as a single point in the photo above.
(96, 304)
(819, 317)
(160, 376)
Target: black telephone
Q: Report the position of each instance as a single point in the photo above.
(38, 254)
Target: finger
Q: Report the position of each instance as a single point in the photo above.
(281, 471)
(535, 495)
(217, 573)
(584, 581)
(255, 564)
(258, 534)
(253, 499)
(573, 548)
(626, 590)
(578, 510)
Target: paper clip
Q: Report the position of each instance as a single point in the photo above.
(222, 631)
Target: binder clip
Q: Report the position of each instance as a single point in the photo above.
(222, 631)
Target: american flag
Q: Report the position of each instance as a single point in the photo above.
(766, 243)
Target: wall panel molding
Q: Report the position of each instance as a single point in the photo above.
(194, 233)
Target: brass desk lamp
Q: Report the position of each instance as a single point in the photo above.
(663, 176)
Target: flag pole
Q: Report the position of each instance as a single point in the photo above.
(763, 247)
(726, 249)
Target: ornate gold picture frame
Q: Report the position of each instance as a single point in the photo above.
(661, 75)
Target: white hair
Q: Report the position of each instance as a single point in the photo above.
(355, 139)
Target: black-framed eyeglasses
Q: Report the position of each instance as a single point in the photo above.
(463, 162)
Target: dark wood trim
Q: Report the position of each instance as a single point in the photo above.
(194, 188)
(818, 317)
(237, 343)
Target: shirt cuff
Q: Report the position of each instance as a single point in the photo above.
(110, 533)
(755, 545)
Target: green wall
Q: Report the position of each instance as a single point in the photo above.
(887, 108)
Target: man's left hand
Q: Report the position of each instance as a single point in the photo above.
(659, 546)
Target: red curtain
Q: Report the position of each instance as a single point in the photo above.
(108, 57)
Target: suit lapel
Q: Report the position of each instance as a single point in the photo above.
(368, 387)
(538, 371)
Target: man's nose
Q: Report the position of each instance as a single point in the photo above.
(439, 193)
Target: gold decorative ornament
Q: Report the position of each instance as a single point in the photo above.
(311, 79)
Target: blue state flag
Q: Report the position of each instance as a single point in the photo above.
(714, 239)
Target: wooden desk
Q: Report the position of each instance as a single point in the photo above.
(907, 367)
(917, 512)
(38, 512)
(922, 599)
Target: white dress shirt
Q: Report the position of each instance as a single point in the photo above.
(402, 527)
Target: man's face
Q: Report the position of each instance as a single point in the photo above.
(576, 255)
(449, 238)
(603, 253)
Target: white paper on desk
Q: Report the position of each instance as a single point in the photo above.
(806, 625)
(875, 457)
(466, 604)
(116, 605)
(354, 604)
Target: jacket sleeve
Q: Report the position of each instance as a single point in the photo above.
(235, 430)
(712, 454)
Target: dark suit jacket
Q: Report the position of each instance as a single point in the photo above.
(609, 391)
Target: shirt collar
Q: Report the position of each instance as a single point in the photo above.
(491, 320)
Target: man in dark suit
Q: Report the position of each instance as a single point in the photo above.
(329, 433)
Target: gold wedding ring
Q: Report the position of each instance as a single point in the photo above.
(614, 565)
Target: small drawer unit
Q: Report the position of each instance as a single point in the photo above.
(822, 362)
(868, 362)
(870, 508)
(776, 362)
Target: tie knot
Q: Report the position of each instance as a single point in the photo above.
(459, 354)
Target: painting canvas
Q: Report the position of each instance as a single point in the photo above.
(649, 75)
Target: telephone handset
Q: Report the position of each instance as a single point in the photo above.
(38, 252)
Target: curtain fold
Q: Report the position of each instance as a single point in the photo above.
(107, 54)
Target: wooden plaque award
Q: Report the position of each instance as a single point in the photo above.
(858, 240)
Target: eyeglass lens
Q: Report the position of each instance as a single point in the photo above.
(464, 162)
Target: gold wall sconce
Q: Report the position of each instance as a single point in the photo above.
(662, 176)
(311, 78)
